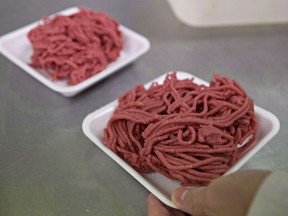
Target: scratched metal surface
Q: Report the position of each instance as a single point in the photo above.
(48, 167)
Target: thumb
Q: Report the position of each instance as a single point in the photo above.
(190, 200)
(226, 195)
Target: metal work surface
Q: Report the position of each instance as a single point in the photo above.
(49, 168)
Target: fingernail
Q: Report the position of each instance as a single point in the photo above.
(179, 195)
(183, 196)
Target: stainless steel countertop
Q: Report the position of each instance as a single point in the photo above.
(47, 165)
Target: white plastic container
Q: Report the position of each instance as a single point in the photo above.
(205, 13)
(17, 48)
(162, 187)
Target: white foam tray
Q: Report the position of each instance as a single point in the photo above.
(17, 48)
(162, 187)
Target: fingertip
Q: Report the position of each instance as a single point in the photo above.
(179, 195)
(155, 207)
(151, 196)
(151, 199)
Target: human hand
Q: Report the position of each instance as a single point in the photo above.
(157, 208)
(225, 196)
